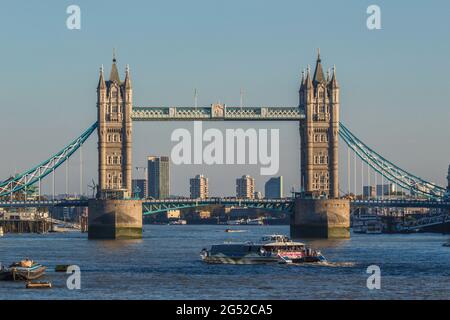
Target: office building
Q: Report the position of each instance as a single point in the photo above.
(158, 177)
(273, 188)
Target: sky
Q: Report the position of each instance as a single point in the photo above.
(394, 81)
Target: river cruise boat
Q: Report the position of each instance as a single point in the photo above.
(271, 249)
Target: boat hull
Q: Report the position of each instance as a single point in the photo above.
(25, 274)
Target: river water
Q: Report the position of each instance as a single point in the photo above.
(165, 264)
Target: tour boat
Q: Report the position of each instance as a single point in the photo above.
(23, 270)
(271, 249)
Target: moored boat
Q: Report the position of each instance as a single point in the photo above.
(24, 270)
(39, 285)
(271, 249)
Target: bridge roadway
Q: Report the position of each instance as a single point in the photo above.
(280, 205)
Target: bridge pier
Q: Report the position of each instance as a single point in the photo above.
(115, 219)
(320, 218)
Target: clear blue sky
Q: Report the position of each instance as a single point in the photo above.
(395, 81)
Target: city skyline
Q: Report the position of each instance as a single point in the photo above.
(61, 81)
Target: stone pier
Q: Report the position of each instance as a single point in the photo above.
(115, 219)
(321, 218)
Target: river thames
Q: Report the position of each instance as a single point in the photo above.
(166, 264)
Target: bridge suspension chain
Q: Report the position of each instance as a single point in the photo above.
(389, 170)
(28, 178)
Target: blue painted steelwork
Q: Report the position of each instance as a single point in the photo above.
(389, 170)
(216, 112)
(32, 176)
(157, 206)
(45, 203)
(282, 205)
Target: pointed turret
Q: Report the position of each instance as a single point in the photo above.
(334, 83)
(318, 73)
(101, 80)
(114, 75)
(308, 81)
(127, 82)
(302, 81)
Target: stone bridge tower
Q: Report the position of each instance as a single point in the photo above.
(319, 213)
(319, 132)
(114, 106)
(113, 214)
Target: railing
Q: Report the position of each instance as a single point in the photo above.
(215, 112)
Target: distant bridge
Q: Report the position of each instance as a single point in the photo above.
(285, 205)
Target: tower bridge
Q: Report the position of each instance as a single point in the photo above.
(319, 210)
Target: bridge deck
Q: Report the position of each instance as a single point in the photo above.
(216, 113)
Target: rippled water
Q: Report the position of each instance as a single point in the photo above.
(165, 264)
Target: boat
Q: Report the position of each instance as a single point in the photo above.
(271, 249)
(24, 270)
(234, 230)
(38, 285)
(61, 267)
(177, 222)
(367, 224)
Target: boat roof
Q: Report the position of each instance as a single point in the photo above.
(290, 243)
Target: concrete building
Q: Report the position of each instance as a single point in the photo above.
(173, 214)
(158, 177)
(369, 192)
(386, 189)
(245, 187)
(199, 187)
(140, 189)
(273, 189)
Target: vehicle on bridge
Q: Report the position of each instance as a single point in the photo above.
(271, 249)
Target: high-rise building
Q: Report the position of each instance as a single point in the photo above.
(385, 189)
(369, 192)
(273, 188)
(199, 187)
(245, 187)
(158, 177)
(319, 132)
(140, 189)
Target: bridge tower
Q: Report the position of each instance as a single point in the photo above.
(113, 214)
(114, 107)
(319, 211)
(319, 101)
